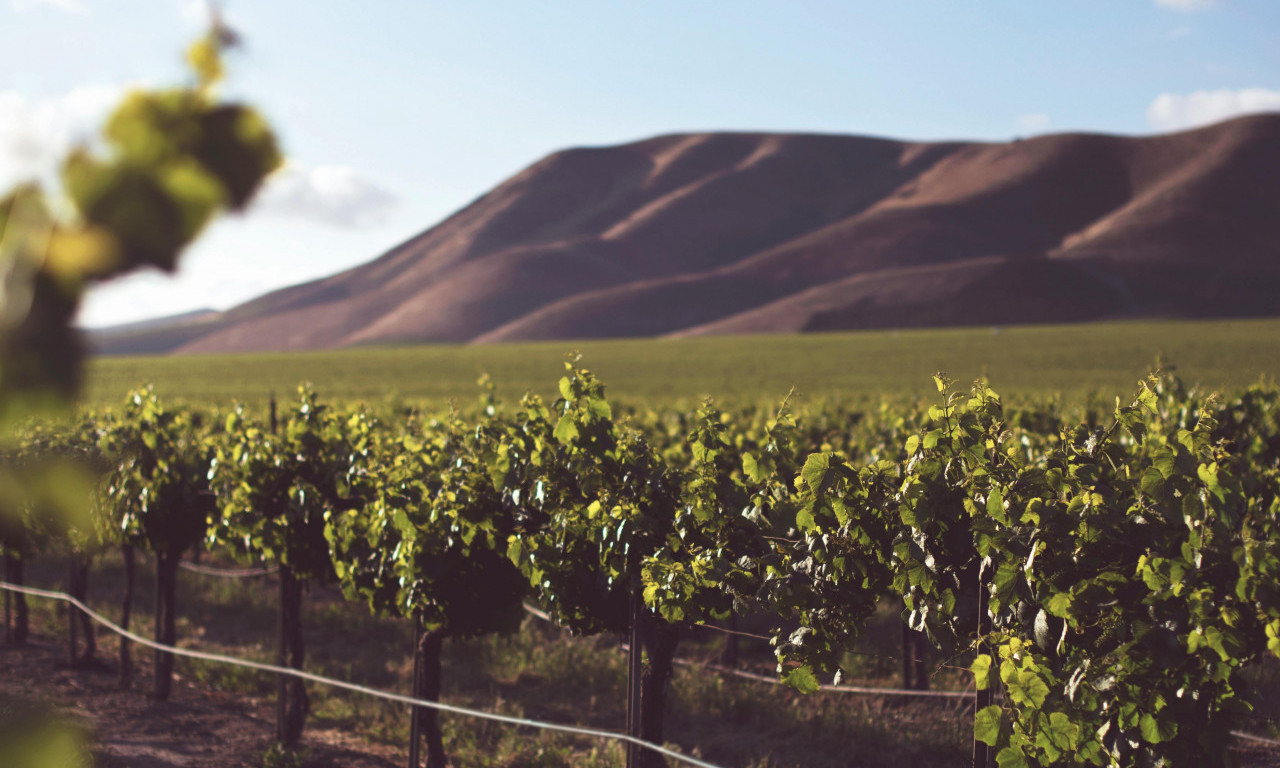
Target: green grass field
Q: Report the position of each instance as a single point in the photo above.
(1021, 362)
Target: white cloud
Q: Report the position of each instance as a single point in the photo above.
(237, 259)
(199, 13)
(1175, 111)
(1035, 122)
(70, 6)
(195, 12)
(36, 133)
(1187, 6)
(329, 194)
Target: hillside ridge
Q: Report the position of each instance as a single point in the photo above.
(711, 233)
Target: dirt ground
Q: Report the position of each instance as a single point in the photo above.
(195, 728)
(203, 728)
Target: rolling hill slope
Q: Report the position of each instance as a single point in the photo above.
(733, 233)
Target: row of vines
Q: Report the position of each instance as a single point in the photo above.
(1108, 574)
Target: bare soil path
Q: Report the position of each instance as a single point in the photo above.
(196, 728)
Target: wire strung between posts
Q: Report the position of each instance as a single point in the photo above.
(775, 681)
(533, 611)
(450, 708)
(832, 688)
(768, 639)
(851, 688)
(480, 714)
(229, 573)
(736, 632)
(1251, 737)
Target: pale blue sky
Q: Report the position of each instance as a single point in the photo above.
(397, 113)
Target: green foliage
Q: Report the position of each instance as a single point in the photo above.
(33, 736)
(1126, 574)
(432, 538)
(278, 490)
(827, 538)
(1075, 364)
(51, 491)
(159, 485)
(713, 559)
(1116, 567)
(278, 756)
(599, 499)
(175, 159)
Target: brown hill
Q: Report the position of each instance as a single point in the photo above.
(736, 233)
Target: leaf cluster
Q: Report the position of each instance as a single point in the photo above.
(174, 159)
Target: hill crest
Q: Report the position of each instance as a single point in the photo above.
(690, 234)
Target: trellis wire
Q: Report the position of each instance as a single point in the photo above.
(775, 681)
(399, 698)
(243, 573)
(226, 573)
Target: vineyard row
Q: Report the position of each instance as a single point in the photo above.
(1110, 573)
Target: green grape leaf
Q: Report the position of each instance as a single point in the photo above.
(1011, 757)
(981, 669)
(1157, 728)
(566, 430)
(802, 679)
(815, 470)
(1024, 686)
(987, 723)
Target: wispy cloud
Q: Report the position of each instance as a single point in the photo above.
(329, 194)
(69, 6)
(1034, 122)
(1187, 6)
(36, 133)
(1178, 33)
(1174, 111)
(194, 11)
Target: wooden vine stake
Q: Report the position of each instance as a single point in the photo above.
(415, 722)
(981, 751)
(282, 648)
(72, 618)
(425, 721)
(635, 669)
(915, 669)
(8, 606)
(126, 613)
